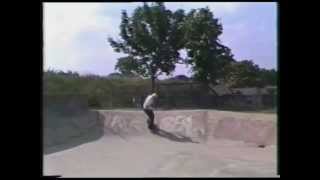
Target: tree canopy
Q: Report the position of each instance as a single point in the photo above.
(247, 74)
(207, 56)
(151, 38)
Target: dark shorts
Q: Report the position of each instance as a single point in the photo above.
(150, 114)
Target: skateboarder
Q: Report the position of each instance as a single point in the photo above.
(148, 106)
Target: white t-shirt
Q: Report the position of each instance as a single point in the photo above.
(148, 103)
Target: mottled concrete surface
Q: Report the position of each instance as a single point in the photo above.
(191, 143)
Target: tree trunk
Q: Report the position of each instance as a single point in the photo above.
(153, 83)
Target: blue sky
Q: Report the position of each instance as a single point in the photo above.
(75, 34)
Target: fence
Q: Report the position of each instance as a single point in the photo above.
(241, 102)
(174, 95)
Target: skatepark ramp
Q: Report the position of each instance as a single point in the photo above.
(67, 122)
(189, 143)
(63, 131)
(198, 125)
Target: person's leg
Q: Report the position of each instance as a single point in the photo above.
(151, 118)
(147, 111)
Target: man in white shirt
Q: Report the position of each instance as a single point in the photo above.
(148, 107)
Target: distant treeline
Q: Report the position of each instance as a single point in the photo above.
(101, 91)
(111, 91)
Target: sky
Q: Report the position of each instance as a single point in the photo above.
(75, 34)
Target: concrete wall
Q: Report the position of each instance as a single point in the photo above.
(196, 124)
(199, 125)
(249, 127)
(68, 122)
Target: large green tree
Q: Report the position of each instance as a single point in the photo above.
(151, 38)
(208, 57)
(268, 76)
(244, 74)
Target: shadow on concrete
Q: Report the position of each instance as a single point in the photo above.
(91, 135)
(67, 122)
(172, 136)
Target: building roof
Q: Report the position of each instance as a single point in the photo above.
(251, 91)
(220, 89)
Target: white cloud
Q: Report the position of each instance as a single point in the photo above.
(225, 7)
(75, 34)
(219, 8)
(63, 23)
